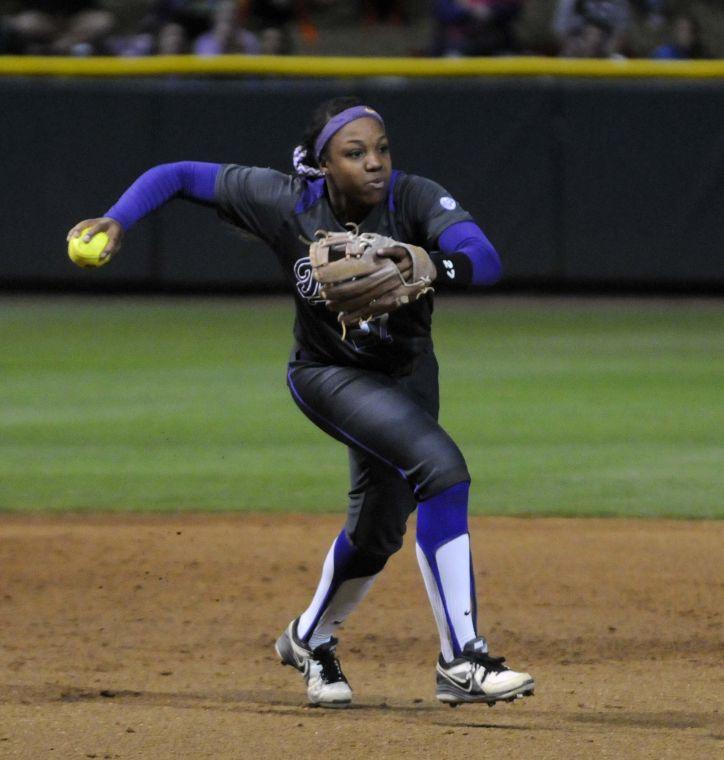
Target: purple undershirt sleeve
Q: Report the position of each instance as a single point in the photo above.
(467, 238)
(194, 180)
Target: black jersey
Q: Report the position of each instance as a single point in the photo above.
(286, 211)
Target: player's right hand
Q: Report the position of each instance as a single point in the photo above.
(105, 224)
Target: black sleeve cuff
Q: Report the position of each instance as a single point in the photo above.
(454, 270)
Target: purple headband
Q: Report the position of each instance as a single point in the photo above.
(340, 120)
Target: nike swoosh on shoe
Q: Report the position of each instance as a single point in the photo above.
(466, 685)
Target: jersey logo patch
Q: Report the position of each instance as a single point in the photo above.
(307, 286)
(449, 268)
(447, 203)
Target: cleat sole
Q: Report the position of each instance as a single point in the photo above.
(332, 705)
(451, 696)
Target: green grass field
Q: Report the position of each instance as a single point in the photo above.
(562, 407)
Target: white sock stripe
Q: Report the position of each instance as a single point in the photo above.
(453, 564)
(307, 618)
(438, 609)
(343, 602)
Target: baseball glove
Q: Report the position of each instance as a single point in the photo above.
(363, 276)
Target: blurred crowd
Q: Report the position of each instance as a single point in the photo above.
(140, 27)
(603, 29)
(571, 28)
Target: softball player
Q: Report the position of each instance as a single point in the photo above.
(376, 391)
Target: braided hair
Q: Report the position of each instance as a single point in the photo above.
(303, 159)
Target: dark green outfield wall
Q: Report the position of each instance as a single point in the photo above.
(576, 182)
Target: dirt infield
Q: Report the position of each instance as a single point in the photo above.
(151, 637)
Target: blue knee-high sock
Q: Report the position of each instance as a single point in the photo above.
(443, 552)
(347, 576)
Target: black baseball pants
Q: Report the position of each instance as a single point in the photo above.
(398, 452)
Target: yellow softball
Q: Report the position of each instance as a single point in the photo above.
(89, 254)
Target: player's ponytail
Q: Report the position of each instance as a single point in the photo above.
(303, 159)
(304, 163)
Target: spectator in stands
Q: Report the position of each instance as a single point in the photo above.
(29, 33)
(684, 40)
(85, 33)
(592, 28)
(475, 27)
(172, 39)
(61, 27)
(226, 35)
(272, 21)
(194, 16)
(593, 40)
